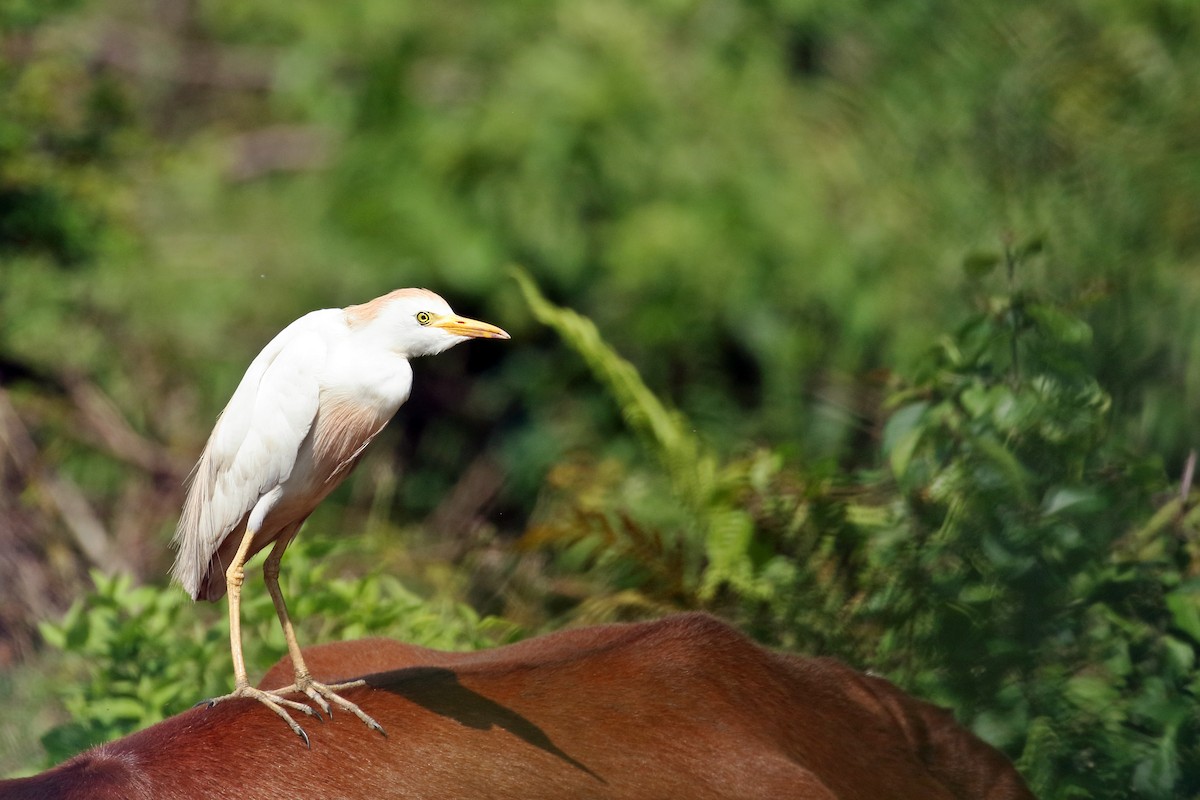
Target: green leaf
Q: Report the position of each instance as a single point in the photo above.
(1157, 775)
(1059, 325)
(669, 436)
(979, 265)
(977, 398)
(1184, 605)
(727, 546)
(1030, 247)
(1180, 655)
(113, 709)
(1073, 499)
(54, 635)
(1008, 463)
(76, 626)
(1092, 693)
(67, 740)
(901, 435)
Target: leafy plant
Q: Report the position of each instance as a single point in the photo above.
(1007, 559)
(714, 546)
(760, 226)
(137, 654)
(1013, 596)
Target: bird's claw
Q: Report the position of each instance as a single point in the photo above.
(323, 695)
(316, 697)
(273, 702)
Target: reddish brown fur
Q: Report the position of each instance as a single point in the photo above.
(684, 707)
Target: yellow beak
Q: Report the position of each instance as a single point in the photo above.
(463, 326)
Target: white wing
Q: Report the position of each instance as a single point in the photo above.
(254, 445)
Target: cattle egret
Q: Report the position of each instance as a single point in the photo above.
(305, 410)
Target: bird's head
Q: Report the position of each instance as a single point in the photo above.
(417, 322)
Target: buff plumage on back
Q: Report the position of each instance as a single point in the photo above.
(253, 447)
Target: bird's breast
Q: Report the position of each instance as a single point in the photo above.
(379, 379)
(358, 395)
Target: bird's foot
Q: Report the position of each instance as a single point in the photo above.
(274, 702)
(323, 694)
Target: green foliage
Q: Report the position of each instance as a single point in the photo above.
(775, 213)
(716, 524)
(137, 654)
(63, 130)
(780, 207)
(750, 535)
(1014, 597)
(765, 207)
(1008, 561)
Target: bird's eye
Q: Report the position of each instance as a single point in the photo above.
(424, 318)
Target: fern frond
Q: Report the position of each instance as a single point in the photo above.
(720, 529)
(689, 465)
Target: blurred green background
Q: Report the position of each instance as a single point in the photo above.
(911, 285)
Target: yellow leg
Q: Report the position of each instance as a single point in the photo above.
(318, 692)
(234, 577)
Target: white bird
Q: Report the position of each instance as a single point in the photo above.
(305, 410)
